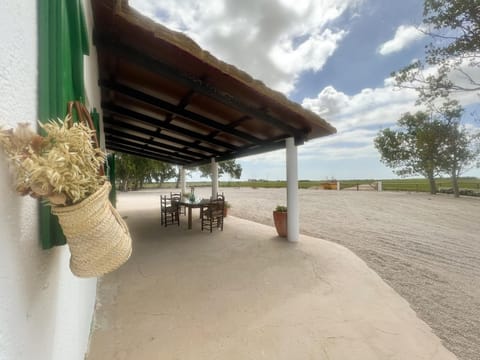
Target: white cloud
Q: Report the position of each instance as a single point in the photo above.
(359, 117)
(404, 36)
(274, 41)
(370, 107)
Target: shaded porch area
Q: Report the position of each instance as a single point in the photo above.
(246, 294)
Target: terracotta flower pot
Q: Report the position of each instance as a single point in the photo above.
(280, 220)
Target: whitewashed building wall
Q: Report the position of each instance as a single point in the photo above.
(45, 311)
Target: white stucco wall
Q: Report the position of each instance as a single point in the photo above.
(45, 312)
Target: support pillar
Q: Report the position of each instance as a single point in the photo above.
(183, 184)
(338, 185)
(379, 185)
(214, 178)
(293, 227)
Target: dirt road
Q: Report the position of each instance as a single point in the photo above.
(426, 247)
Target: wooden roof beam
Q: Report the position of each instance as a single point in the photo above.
(151, 142)
(110, 140)
(137, 152)
(116, 123)
(159, 123)
(177, 110)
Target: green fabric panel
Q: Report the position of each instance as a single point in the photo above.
(96, 121)
(62, 43)
(110, 161)
(111, 177)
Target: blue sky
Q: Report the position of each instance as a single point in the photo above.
(334, 57)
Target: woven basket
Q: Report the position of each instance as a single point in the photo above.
(97, 236)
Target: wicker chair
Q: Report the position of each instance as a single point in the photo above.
(168, 211)
(212, 214)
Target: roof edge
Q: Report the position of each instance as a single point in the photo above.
(186, 44)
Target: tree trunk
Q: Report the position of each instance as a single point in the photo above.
(177, 184)
(456, 190)
(433, 185)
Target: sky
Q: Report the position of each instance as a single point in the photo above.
(334, 57)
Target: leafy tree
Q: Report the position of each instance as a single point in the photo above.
(132, 171)
(230, 167)
(454, 26)
(414, 148)
(430, 144)
(461, 147)
(124, 170)
(161, 171)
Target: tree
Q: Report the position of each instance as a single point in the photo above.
(161, 171)
(413, 149)
(132, 171)
(230, 167)
(124, 170)
(454, 52)
(461, 147)
(431, 144)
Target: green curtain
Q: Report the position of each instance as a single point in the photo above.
(62, 43)
(111, 176)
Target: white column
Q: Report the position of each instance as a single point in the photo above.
(183, 183)
(292, 191)
(338, 185)
(214, 178)
(380, 187)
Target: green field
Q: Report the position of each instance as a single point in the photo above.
(415, 185)
(422, 184)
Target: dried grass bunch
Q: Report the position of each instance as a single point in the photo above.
(62, 167)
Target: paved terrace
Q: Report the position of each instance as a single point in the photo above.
(244, 293)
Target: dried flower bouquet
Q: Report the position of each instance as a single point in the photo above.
(65, 167)
(61, 167)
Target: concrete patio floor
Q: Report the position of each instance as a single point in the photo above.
(244, 293)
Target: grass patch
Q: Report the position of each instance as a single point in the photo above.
(413, 185)
(421, 185)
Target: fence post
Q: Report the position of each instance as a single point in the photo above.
(357, 186)
(338, 185)
(379, 186)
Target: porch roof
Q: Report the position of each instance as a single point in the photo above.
(163, 97)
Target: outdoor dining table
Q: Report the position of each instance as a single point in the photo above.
(193, 205)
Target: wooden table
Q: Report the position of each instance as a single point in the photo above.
(193, 205)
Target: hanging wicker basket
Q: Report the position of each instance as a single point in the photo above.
(97, 236)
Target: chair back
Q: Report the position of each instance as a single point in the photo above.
(164, 201)
(168, 211)
(175, 198)
(216, 207)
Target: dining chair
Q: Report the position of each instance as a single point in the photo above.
(212, 214)
(168, 211)
(177, 198)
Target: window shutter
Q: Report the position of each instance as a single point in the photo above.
(62, 43)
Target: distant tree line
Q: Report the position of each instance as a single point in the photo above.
(435, 141)
(132, 172)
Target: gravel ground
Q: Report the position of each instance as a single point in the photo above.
(426, 247)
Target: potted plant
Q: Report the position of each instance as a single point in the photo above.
(280, 220)
(225, 208)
